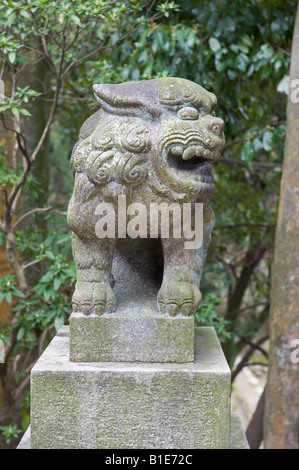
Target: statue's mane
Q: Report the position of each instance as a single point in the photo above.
(113, 150)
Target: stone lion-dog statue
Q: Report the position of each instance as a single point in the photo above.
(154, 141)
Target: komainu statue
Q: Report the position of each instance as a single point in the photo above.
(152, 143)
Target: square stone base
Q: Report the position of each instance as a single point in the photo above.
(238, 438)
(128, 336)
(118, 405)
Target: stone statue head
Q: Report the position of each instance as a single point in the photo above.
(162, 130)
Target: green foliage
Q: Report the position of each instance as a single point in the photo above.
(15, 103)
(8, 288)
(207, 315)
(7, 176)
(49, 301)
(10, 432)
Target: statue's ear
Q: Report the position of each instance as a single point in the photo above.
(130, 98)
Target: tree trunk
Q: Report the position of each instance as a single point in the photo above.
(281, 420)
(8, 144)
(253, 256)
(39, 110)
(254, 432)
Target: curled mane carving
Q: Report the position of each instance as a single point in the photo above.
(114, 151)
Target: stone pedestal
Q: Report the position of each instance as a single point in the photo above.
(129, 337)
(131, 405)
(237, 436)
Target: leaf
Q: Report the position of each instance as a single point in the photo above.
(58, 322)
(49, 292)
(25, 14)
(234, 48)
(20, 333)
(257, 144)
(268, 140)
(135, 74)
(100, 33)
(25, 112)
(12, 57)
(160, 39)
(284, 85)
(231, 74)
(11, 19)
(247, 152)
(57, 283)
(191, 39)
(18, 293)
(15, 111)
(219, 65)
(50, 255)
(76, 20)
(25, 419)
(214, 44)
(242, 62)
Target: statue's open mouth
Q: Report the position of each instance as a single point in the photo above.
(194, 159)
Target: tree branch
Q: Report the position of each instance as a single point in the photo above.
(244, 225)
(245, 360)
(38, 209)
(112, 46)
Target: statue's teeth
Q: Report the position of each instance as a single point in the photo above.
(192, 151)
(177, 150)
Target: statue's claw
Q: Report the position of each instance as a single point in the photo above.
(178, 297)
(93, 298)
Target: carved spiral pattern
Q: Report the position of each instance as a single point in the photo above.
(80, 154)
(133, 172)
(104, 137)
(97, 172)
(135, 138)
(117, 153)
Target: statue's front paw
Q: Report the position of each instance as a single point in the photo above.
(103, 299)
(82, 299)
(93, 298)
(178, 297)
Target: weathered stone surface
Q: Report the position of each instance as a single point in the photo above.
(136, 334)
(131, 405)
(25, 442)
(237, 437)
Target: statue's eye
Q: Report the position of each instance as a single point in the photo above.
(188, 113)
